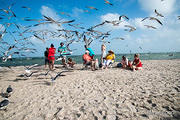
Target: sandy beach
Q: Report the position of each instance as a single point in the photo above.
(113, 94)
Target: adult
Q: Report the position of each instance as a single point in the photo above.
(51, 56)
(91, 52)
(62, 50)
(103, 53)
(110, 57)
(88, 60)
(46, 57)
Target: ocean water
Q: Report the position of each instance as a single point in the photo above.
(78, 58)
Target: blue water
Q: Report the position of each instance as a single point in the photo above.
(78, 58)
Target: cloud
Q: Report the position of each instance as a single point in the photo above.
(113, 17)
(49, 12)
(45, 10)
(77, 11)
(165, 7)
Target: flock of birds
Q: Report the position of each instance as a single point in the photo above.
(21, 35)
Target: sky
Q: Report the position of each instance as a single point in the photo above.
(165, 38)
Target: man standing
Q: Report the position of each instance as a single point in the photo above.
(62, 50)
(46, 57)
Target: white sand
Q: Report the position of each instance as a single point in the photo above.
(113, 94)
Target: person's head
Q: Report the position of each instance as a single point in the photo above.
(69, 59)
(103, 47)
(87, 52)
(47, 48)
(52, 45)
(61, 43)
(136, 56)
(110, 52)
(123, 57)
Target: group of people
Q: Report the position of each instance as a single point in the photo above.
(106, 60)
(135, 65)
(50, 56)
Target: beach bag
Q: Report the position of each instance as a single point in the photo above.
(119, 65)
(100, 65)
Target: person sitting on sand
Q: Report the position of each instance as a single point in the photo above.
(123, 63)
(88, 60)
(110, 57)
(137, 64)
(46, 57)
(71, 62)
(51, 56)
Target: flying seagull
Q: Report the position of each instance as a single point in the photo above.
(123, 16)
(178, 17)
(107, 2)
(131, 28)
(90, 7)
(26, 7)
(152, 18)
(118, 38)
(43, 40)
(58, 75)
(149, 26)
(158, 14)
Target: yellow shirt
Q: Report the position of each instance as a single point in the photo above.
(110, 57)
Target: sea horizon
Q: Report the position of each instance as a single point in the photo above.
(22, 61)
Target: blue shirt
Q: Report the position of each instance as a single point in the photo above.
(62, 50)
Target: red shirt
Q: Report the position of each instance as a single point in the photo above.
(51, 54)
(87, 58)
(136, 61)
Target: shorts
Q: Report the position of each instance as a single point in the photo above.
(46, 61)
(107, 62)
(88, 63)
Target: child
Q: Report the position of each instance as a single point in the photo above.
(70, 62)
(124, 62)
(137, 65)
